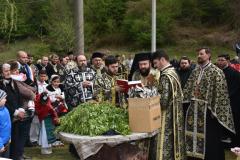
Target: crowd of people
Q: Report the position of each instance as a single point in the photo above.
(199, 101)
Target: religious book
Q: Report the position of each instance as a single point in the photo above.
(125, 84)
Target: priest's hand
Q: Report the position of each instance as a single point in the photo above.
(86, 84)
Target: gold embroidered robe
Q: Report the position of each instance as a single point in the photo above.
(171, 135)
(206, 89)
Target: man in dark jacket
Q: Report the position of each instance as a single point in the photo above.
(20, 125)
(24, 68)
(45, 65)
(233, 81)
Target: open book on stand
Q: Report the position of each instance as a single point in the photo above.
(125, 84)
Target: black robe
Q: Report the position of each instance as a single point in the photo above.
(184, 75)
(233, 83)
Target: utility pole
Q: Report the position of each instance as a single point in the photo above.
(153, 48)
(79, 27)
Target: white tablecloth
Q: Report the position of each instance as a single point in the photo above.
(87, 146)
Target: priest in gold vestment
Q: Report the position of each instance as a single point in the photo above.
(171, 134)
(209, 112)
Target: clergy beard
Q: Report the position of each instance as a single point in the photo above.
(110, 73)
(82, 68)
(144, 71)
(184, 68)
(202, 61)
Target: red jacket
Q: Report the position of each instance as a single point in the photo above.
(44, 110)
(236, 67)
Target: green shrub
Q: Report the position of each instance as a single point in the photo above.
(137, 22)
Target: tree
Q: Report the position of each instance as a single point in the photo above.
(9, 19)
(59, 25)
(137, 22)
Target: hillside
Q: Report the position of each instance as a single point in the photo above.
(124, 24)
(187, 40)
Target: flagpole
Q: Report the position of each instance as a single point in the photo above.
(79, 28)
(153, 48)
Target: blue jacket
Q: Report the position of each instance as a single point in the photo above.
(5, 126)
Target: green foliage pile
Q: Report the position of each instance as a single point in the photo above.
(53, 20)
(95, 119)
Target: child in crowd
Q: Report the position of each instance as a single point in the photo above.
(5, 126)
(57, 95)
(47, 114)
(15, 72)
(35, 125)
(41, 82)
(48, 119)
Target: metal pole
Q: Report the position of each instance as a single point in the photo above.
(79, 27)
(153, 48)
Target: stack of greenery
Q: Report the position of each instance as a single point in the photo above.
(95, 119)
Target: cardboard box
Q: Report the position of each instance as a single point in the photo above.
(144, 114)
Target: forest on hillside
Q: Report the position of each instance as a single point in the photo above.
(112, 22)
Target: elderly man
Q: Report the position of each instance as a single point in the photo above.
(18, 112)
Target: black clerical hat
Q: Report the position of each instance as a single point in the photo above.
(143, 56)
(138, 57)
(97, 55)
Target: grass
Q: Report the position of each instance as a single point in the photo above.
(37, 48)
(63, 154)
(190, 51)
(32, 46)
(58, 154)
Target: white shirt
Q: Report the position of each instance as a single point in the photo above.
(52, 94)
(42, 87)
